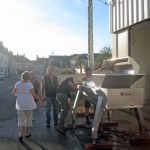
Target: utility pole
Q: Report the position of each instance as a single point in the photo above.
(90, 35)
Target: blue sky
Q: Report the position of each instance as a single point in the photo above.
(40, 27)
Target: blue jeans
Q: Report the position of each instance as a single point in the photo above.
(53, 101)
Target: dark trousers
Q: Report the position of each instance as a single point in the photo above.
(62, 99)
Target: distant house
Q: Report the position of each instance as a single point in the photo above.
(22, 64)
(40, 65)
(11, 64)
(80, 57)
(130, 28)
(59, 61)
(74, 59)
(7, 63)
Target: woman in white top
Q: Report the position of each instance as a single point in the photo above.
(25, 103)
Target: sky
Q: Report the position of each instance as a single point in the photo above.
(52, 27)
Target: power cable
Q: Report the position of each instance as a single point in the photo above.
(104, 2)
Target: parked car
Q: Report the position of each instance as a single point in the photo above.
(2, 76)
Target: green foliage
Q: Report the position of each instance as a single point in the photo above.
(79, 64)
(105, 53)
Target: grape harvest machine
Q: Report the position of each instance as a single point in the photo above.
(114, 86)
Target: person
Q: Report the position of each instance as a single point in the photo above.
(36, 85)
(35, 82)
(62, 96)
(48, 92)
(87, 76)
(25, 103)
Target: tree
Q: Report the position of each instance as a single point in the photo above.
(79, 64)
(105, 53)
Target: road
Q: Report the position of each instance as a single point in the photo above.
(7, 101)
(47, 138)
(42, 138)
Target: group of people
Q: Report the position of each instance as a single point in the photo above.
(26, 90)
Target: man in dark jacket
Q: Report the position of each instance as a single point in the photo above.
(62, 96)
(48, 92)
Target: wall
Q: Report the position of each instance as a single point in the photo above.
(140, 51)
(124, 13)
(114, 46)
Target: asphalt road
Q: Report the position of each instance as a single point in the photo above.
(42, 137)
(7, 101)
(47, 138)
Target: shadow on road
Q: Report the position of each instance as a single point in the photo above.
(25, 145)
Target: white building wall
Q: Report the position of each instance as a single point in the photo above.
(133, 16)
(6, 64)
(122, 43)
(1, 62)
(114, 46)
(12, 66)
(124, 13)
(140, 51)
(4, 59)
